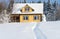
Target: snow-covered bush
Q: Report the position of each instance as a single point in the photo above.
(4, 17)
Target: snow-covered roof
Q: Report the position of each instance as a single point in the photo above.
(38, 8)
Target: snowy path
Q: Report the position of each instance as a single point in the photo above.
(39, 33)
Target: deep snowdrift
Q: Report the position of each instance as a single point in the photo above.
(42, 30)
(50, 29)
(17, 31)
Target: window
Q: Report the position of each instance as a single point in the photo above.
(36, 17)
(17, 18)
(27, 9)
(25, 17)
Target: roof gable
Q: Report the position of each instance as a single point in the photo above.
(27, 8)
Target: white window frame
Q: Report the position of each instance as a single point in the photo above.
(36, 17)
(25, 17)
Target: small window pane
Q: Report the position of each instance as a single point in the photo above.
(25, 17)
(36, 17)
(27, 9)
(17, 18)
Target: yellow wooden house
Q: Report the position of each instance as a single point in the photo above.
(27, 12)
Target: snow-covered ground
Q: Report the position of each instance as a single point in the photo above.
(51, 30)
(17, 31)
(42, 30)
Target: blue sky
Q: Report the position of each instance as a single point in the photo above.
(30, 0)
(41, 0)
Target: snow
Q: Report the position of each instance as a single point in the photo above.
(51, 30)
(41, 30)
(17, 31)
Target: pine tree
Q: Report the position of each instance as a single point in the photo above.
(32, 2)
(44, 5)
(48, 5)
(39, 1)
(10, 5)
(54, 4)
(24, 1)
(45, 8)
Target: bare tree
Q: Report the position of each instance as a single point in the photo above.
(10, 6)
(3, 5)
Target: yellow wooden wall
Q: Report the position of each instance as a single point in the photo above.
(30, 18)
(23, 9)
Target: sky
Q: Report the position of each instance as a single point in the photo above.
(7, 1)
